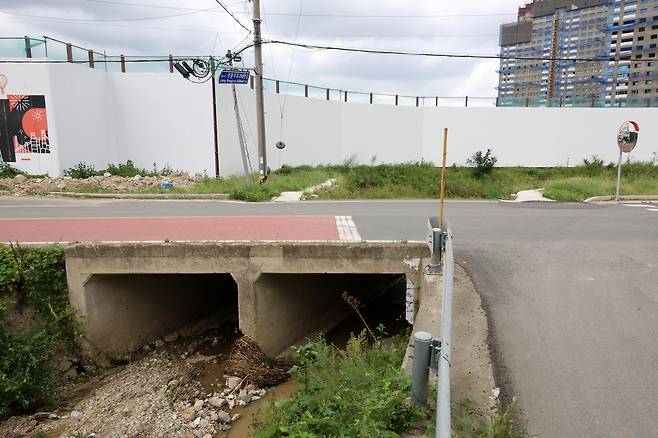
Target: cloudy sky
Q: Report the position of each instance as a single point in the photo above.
(201, 27)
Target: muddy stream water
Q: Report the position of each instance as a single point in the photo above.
(387, 310)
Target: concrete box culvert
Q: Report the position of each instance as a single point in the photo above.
(135, 309)
(291, 307)
(284, 289)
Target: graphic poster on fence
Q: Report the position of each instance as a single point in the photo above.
(23, 127)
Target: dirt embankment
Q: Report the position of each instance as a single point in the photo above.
(176, 387)
(22, 185)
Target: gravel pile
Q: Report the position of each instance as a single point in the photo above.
(158, 395)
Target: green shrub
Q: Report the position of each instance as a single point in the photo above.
(32, 285)
(360, 392)
(593, 166)
(6, 171)
(81, 171)
(482, 163)
(127, 169)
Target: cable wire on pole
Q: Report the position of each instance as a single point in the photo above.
(69, 19)
(436, 55)
(228, 11)
(282, 107)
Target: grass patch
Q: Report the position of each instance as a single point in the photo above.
(469, 421)
(359, 392)
(284, 180)
(35, 323)
(363, 392)
(422, 181)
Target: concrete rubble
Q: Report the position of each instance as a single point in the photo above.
(157, 395)
(534, 195)
(20, 185)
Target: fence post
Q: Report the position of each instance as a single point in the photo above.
(346, 96)
(171, 64)
(496, 102)
(28, 47)
(370, 98)
(69, 52)
(420, 370)
(306, 90)
(437, 101)
(527, 101)
(593, 102)
(417, 101)
(561, 101)
(396, 100)
(466, 101)
(327, 94)
(648, 102)
(90, 54)
(277, 86)
(123, 64)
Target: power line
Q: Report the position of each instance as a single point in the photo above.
(344, 49)
(228, 11)
(210, 31)
(292, 14)
(144, 5)
(159, 17)
(439, 55)
(321, 15)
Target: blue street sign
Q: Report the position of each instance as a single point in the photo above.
(233, 77)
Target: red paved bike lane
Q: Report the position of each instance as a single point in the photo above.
(169, 228)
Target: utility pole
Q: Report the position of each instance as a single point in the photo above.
(214, 116)
(260, 111)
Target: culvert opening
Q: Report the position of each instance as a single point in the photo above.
(141, 308)
(292, 307)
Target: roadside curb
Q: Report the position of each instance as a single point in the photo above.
(219, 196)
(636, 198)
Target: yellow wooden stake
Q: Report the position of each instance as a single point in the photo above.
(443, 173)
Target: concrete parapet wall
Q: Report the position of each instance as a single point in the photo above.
(285, 289)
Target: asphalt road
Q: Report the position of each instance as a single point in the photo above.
(571, 291)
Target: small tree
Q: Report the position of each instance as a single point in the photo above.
(482, 163)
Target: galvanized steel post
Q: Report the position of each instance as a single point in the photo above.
(420, 368)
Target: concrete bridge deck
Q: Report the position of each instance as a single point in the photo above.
(129, 294)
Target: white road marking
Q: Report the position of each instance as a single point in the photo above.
(347, 229)
(647, 206)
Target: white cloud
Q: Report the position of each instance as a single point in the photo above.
(198, 33)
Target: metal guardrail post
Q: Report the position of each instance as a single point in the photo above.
(443, 420)
(69, 52)
(420, 370)
(435, 243)
(90, 57)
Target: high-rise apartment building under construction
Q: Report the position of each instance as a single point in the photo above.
(580, 53)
